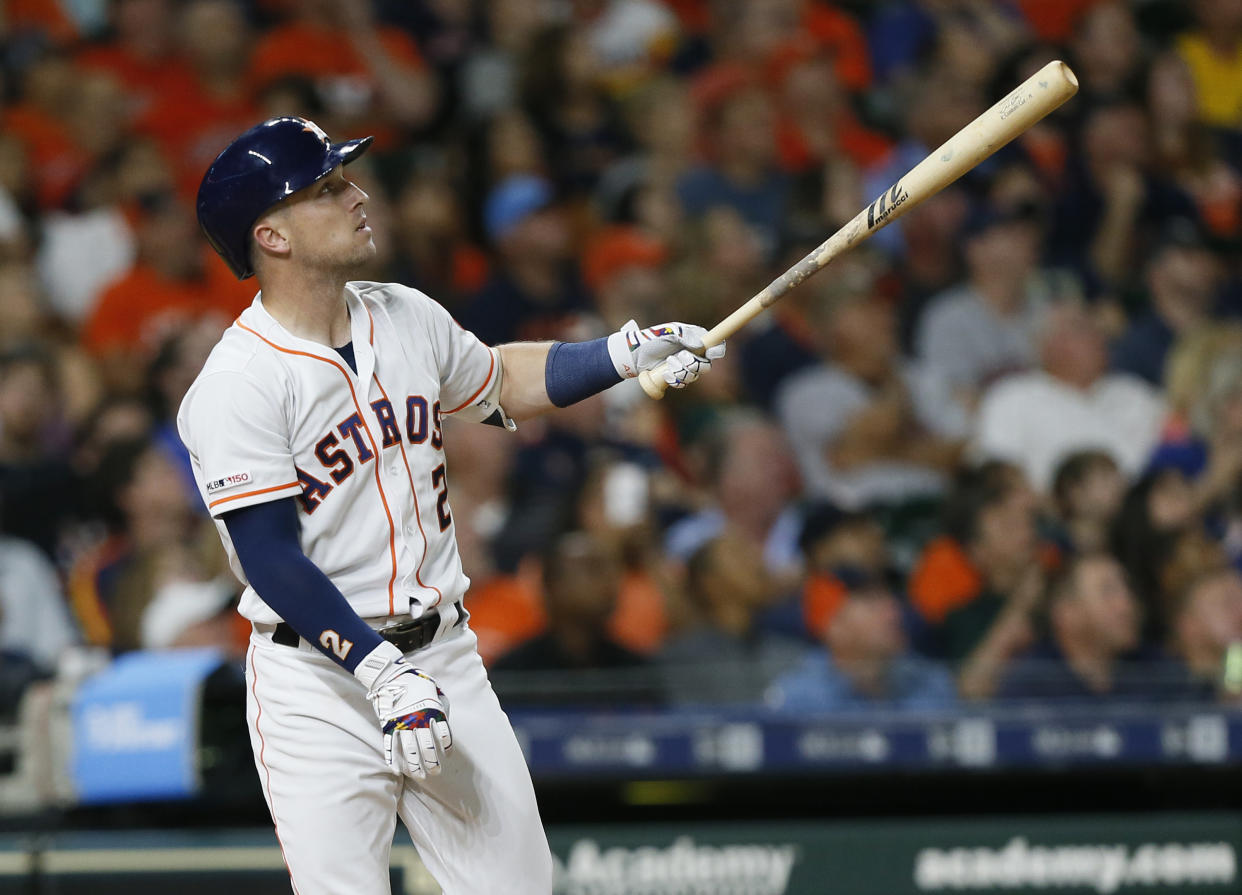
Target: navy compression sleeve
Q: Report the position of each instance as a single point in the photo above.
(265, 537)
(576, 370)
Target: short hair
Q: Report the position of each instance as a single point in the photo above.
(31, 354)
(1073, 471)
(975, 490)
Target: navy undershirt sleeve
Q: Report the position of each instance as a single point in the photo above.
(265, 537)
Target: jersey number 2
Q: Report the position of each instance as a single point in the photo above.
(330, 640)
(439, 482)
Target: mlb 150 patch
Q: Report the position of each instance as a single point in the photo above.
(229, 481)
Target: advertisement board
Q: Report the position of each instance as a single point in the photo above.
(136, 725)
(1156, 854)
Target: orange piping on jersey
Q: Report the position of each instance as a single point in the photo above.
(418, 516)
(267, 774)
(220, 500)
(490, 370)
(379, 457)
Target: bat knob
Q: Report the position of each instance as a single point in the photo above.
(653, 385)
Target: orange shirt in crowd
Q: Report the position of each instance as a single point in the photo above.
(1054, 20)
(822, 596)
(944, 579)
(41, 15)
(135, 311)
(325, 55)
(843, 37)
(299, 48)
(504, 611)
(862, 146)
(507, 610)
(57, 163)
(145, 80)
(640, 620)
(192, 127)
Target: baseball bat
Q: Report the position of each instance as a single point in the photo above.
(1030, 101)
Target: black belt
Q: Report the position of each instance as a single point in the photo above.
(407, 636)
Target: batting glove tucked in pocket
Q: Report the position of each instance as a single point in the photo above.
(412, 710)
(678, 345)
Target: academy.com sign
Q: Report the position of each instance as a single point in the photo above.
(682, 868)
(1102, 868)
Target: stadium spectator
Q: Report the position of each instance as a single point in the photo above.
(432, 249)
(580, 125)
(1094, 627)
(661, 119)
(141, 53)
(580, 579)
(23, 316)
(724, 655)
(832, 538)
(1087, 491)
(867, 426)
(154, 535)
(865, 662)
(1206, 625)
(738, 133)
(366, 73)
(193, 119)
(615, 506)
(624, 269)
(986, 327)
(1035, 419)
(34, 617)
(1107, 52)
(1112, 200)
(978, 585)
(1195, 155)
(174, 282)
(38, 490)
(1213, 52)
(1183, 280)
(750, 474)
(534, 291)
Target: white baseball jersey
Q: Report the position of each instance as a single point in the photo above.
(272, 416)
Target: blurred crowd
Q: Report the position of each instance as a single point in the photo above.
(993, 454)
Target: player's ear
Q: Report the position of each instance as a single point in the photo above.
(270, 234)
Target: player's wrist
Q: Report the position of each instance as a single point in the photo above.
(621, 345)
(377, 664)
(577, 370)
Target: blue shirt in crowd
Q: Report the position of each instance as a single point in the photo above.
(817, 684)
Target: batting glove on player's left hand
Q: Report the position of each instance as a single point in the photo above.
(679, 345)
(412, 710)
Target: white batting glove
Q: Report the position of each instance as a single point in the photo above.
(634, 350)
(412, 710)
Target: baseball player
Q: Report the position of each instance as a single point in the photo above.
(315, 434)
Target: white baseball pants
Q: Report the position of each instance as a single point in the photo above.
(335, 801)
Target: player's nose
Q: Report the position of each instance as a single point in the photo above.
(359, 196)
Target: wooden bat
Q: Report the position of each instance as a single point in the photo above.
(1034, 98)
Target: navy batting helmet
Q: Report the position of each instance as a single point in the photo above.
(266, 164)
